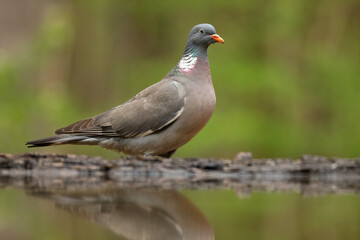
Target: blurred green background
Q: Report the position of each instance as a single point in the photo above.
(287, 79)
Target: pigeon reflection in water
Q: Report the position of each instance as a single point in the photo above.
(139, 213)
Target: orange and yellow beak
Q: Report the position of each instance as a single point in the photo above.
(217, 38)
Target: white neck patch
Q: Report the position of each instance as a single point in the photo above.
(187, 63)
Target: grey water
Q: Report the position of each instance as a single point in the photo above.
(87, 208)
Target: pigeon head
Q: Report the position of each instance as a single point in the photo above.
(200, 38)
(203, 35)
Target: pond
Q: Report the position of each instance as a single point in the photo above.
(99, 208)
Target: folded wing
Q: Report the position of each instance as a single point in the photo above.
(151, 110)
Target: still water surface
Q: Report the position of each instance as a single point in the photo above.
(109, 212)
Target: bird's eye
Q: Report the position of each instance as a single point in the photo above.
(201, 31)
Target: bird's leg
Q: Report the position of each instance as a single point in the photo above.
(162, 157)
(151, 158)
(168, 154)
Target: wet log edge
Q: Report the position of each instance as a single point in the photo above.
(309, 175)
(243, 166)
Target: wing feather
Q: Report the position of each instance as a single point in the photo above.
(150, 111)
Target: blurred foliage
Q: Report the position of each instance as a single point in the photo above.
(287, 79)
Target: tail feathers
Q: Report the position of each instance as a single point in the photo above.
(56, 140)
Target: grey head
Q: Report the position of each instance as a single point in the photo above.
(201, 36)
